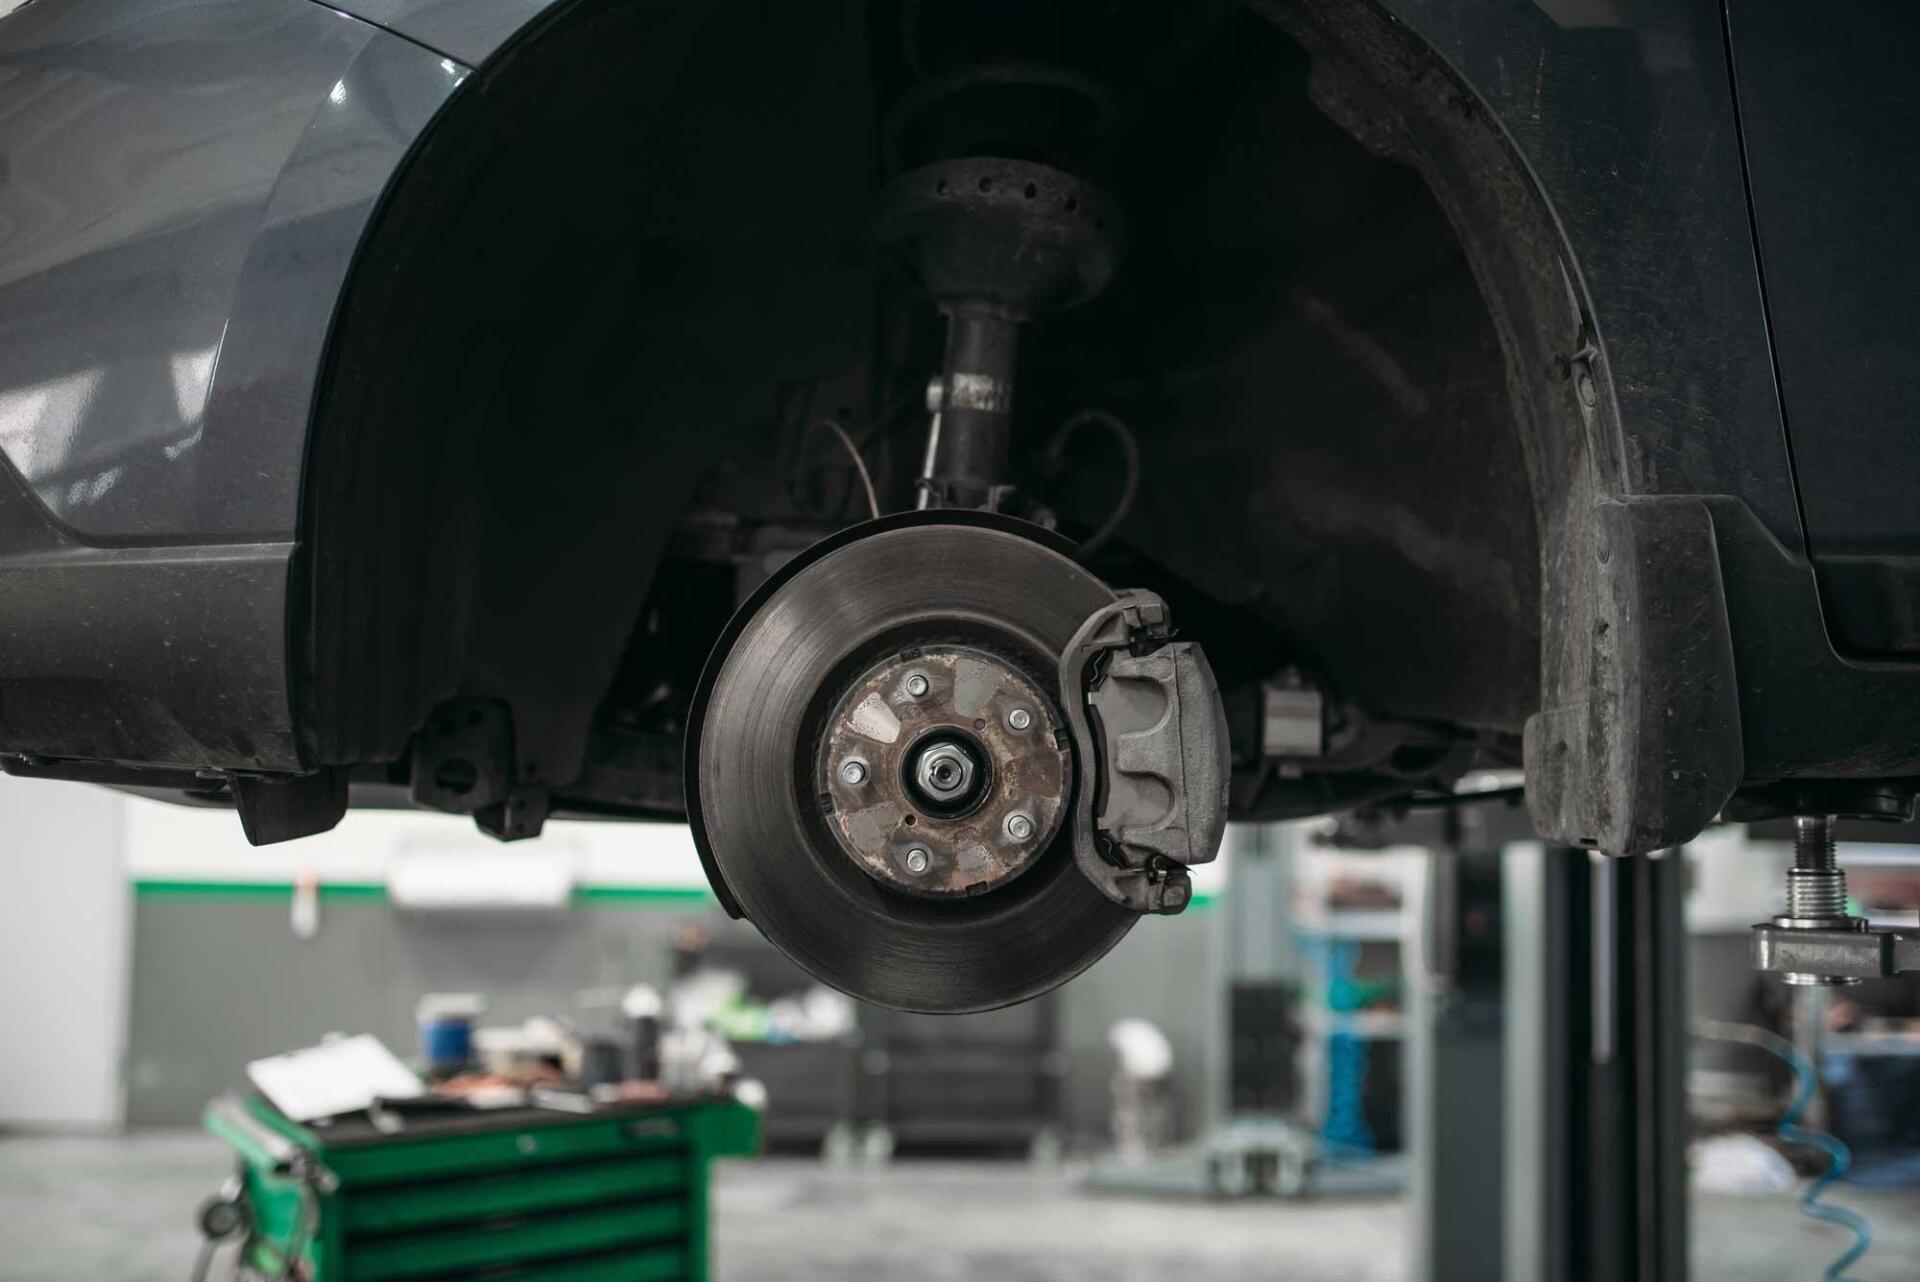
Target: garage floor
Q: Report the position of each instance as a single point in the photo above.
(119, 1210)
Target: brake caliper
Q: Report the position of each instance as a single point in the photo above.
(1151, 740)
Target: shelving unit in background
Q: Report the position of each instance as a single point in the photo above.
(1356, 915)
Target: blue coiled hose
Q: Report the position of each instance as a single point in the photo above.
(1839, 1157)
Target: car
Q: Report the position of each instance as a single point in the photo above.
(954, 454)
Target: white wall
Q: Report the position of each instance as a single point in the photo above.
(64, 925)
(184, 843)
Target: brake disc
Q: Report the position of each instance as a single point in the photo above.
(880, 773)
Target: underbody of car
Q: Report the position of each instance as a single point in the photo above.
(958, 455)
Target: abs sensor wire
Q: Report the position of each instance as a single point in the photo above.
(854, 455)
(1839, 1157)
(1129, 457)
(859, 465)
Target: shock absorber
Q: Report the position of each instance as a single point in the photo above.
(997, 233)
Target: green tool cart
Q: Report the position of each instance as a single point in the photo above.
(533, 1195)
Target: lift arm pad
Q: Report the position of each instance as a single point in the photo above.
(1875, 952)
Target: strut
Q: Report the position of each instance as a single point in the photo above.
(996, 238)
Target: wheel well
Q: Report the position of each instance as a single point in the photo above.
(504, 436)
(624, 255)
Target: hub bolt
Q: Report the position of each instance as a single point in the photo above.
(854, 772)
(917, 685)
(1019, 827)
(1019, 718)
(918, 860)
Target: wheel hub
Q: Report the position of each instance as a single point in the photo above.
(944, 771)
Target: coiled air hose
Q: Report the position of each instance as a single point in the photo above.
(1839, 1157)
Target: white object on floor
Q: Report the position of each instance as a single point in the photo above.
(1739, 1164)
(1144, 1051)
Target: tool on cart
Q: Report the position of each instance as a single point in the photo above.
(445, 1022)
(643, 1009)
(339, 1075)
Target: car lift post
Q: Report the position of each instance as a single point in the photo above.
(1456, 1084)
(1596, 1057)
(1563, 1052)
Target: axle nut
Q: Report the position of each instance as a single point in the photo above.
(944, 772)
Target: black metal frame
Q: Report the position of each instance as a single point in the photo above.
(1616, 1201)
(1606, 1068)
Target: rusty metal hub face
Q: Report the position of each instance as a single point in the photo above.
(945, 771)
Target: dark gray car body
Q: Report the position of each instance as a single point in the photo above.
(187, 187)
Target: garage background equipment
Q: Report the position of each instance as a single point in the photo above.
(530, 1194)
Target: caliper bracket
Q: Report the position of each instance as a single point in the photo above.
(1150, 735)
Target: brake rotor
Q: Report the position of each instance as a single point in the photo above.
(879, 776)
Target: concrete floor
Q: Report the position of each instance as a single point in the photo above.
(119, 1210)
